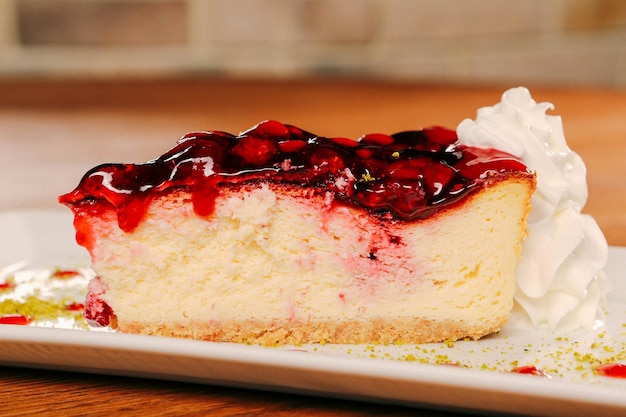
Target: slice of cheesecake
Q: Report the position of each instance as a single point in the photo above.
(280, 236)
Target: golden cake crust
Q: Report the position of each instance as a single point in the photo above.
(280, 332)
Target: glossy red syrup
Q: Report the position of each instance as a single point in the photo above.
(410, 175)
(613, 370)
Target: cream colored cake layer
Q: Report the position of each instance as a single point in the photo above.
(273, 257)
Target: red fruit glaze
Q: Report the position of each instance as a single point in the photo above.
(410, 175)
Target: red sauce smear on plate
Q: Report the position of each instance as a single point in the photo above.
(613, 370)
(530, 370)
(65, 274)
(75, 307)
(17, 319)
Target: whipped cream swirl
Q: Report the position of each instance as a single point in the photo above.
(560, 282)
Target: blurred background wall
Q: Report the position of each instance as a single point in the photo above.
(562, 42)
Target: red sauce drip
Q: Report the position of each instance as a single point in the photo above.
(17, 319)
(64, 274)
(530, 370)
(5, 285)
(613, 370)
(410, 175)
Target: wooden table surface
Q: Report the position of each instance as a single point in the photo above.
(52, 131)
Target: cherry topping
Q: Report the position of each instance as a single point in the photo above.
(376, 139)
(345, 142)
(290, 146)
(269, 129)
(409, 175)
(440, 135)
(254, 150)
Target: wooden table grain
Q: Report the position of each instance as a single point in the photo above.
(52, 131)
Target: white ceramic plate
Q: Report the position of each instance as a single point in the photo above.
(32, 242)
